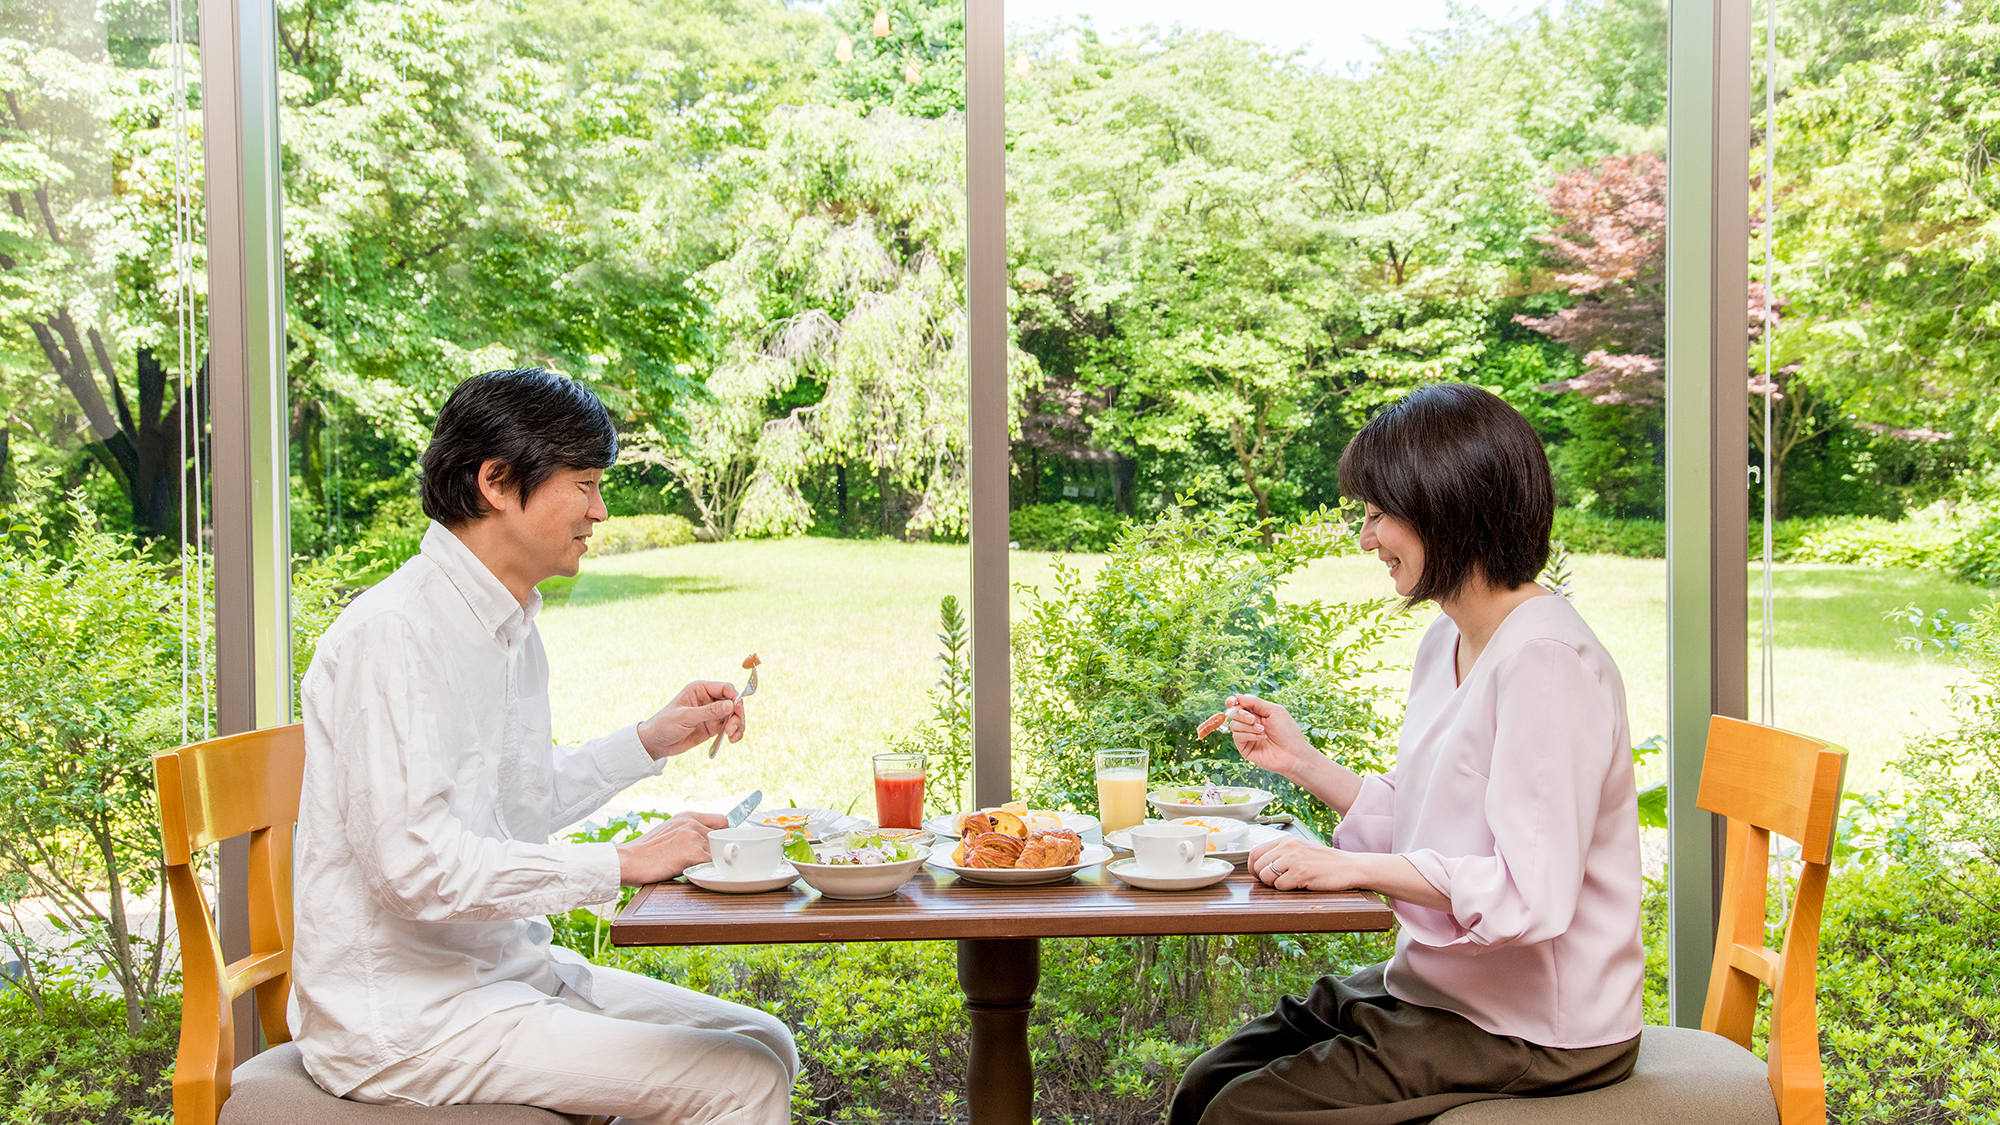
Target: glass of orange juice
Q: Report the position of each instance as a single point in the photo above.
(1121, 788)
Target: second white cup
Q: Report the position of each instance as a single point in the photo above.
(751, 851)
(1168, 851)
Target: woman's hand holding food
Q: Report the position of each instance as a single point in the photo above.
(702, 710)
(1267, 735)
(1292, 864)
(666, 850)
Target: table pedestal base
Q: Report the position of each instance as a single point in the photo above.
(999, 977)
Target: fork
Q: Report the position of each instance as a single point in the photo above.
(749, 690)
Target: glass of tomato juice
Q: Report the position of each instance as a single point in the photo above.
(899, 790)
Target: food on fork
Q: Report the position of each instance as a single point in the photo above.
(1211, 724)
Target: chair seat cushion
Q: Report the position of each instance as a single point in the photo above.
(1684, 1076)
(274, 1089)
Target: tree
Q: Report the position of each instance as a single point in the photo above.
(88, 252)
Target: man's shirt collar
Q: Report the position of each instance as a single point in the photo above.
(484, 594)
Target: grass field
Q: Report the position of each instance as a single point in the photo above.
(847, 633)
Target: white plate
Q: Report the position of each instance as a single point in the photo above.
(1213, 870)
(1083, 824)
(1238, 853)
(1246, 810)
(1093, 854)
(819, 823)
(705, 876)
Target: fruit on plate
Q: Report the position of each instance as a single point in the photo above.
(1057, 847)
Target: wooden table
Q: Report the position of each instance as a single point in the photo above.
(999, 932)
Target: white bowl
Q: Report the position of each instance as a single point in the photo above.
(859, 880)
(1171, 809)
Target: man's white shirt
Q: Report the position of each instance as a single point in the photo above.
(424, 866)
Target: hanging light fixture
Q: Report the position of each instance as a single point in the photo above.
(843, 51)
(910, 74)
(882, 22)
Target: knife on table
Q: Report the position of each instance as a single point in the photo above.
(745, 807)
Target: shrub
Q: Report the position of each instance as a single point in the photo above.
(621, 535)
(1064, 526)
(1588, 534)
(1953, 803)
(1915, 543)
(1183, 613)
(1976, 556)
(70, 1061)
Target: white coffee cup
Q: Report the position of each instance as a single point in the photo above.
(751, 851)
(1168, 851)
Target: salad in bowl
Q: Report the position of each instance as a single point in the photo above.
(857, 865)
(1236, 802)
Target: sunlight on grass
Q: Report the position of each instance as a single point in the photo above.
(847, 633)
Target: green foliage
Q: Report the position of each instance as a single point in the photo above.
(881, 1025)
(68, 1060)
(1976, 557)
(945, 738)
(1064, 526)
(90, 688)
(1587, 533)
(1923, 541)
(1954, 775)
(1908, 980)
(1185, 612)
(623, 534)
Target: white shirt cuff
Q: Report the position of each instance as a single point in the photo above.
(593, 872)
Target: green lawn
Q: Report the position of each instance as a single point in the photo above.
(847, 633)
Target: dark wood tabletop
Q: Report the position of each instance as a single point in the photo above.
(939, 905)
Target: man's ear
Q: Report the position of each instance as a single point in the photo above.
(494, 487)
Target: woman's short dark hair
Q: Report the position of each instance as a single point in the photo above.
(1465, 472)
(530, 420)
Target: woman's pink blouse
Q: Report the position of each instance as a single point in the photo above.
(1513, 794)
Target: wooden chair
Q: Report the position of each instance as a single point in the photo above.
(1763, 781)
(209, 792)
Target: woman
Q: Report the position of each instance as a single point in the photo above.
(1506, 838)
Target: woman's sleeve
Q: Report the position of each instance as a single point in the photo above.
(1370, 821)
(1551, 744)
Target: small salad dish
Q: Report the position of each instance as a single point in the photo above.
(856, 866)
(1236, 802)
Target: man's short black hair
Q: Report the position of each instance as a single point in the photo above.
(531, 421)
(1464, 471)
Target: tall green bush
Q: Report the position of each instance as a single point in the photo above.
(1184, 613)
(90, 689)
(1954, 792)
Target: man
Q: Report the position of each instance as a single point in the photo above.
(423, 972)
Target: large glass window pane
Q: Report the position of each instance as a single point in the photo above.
(742, 224)
(105, 649)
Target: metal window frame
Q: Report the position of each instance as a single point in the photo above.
(1708, 441)
(1707, 272)
(251, 461)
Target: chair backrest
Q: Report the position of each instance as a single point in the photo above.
(1765, 780)
(209, 792)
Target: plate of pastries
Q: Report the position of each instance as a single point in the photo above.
(1004, 850)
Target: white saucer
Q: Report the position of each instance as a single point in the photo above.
(705, 876)
(1211, 872)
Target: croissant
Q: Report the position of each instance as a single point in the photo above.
(990, 849)
(1057, 847)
